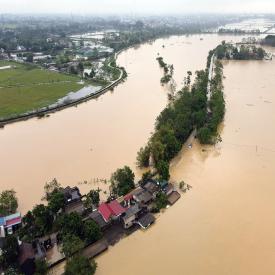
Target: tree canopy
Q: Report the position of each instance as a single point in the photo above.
(71, 244)
(80, 265)
(122, 181)
(10, 251)
(8, 202)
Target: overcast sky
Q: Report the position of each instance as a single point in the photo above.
(135, 6)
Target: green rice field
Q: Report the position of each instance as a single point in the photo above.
(25, 87)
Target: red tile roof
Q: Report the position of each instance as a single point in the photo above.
(104, 210)
(112, 208)
(116, 208)
(13, 221)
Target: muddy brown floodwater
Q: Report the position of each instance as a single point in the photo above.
(93, 140)
(225, 224)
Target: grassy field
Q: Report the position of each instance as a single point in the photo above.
(25, 87)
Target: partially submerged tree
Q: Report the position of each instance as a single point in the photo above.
(50, 188)
(92, 198)
(122, 181)
(56, 201)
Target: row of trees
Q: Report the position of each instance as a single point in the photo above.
(244, 52)
(168, 70)
(208, 134)
(175, 123)
(188, 111)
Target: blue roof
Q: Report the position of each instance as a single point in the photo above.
(2, 221)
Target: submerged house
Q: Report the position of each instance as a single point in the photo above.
(146, 220)
(152, 187)
(168, 189)
(142, 196)
(131, 215)
(71, 194)
(111, 211)
(73, 202)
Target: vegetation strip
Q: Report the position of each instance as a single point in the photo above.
(189, 110)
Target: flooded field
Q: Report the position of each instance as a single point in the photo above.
(225, 224)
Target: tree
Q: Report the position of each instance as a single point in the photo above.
(80, 265)
(92, 231)
(204, 135)
(143, 156)
(56, 201)
(163, 170)
(71, 224)
(8, 202)
(145, 177)
(161, 201)
(29, 57)
(41, 267)
(92, 198)
(50, 188)
(43, 219)
(123, 181)
(71, 244)
(10, 251)
(158, 150)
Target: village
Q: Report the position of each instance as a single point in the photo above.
(115, 218)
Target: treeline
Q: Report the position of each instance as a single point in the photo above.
(243, 52)
(189, 110)
(269, 41)
(168, 70)
(174, 125)
(208, 134)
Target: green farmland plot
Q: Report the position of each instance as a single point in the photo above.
(25, 87)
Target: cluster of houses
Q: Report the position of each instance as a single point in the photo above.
(115, 218)
(135, 207)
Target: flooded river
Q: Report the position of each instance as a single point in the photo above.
(91, 141)
(225, 224)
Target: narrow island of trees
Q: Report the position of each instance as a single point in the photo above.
(189, 110)
(239, 52)
(168, 70)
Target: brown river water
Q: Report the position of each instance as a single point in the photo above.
(225, 224)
